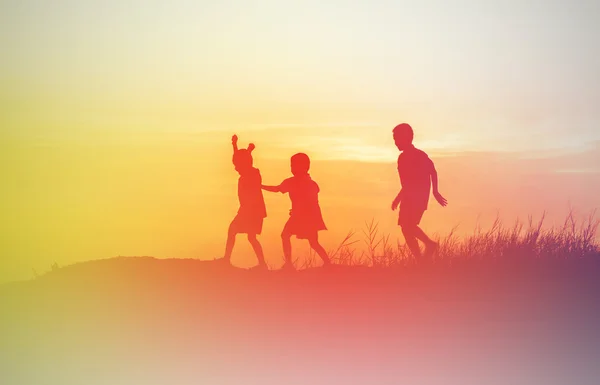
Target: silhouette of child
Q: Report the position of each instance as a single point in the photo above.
(305, 219)
(252, 211)
(417, 174)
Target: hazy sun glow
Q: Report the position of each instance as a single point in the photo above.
(117, 116)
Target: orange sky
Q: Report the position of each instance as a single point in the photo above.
(174, 197)
(116, 117)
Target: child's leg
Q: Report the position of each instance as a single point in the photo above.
(257, 248)
(411, 240)
(420, 234)
(409, 219)
(430, 245)
(286, 240)
(230, 242)
(316, 246)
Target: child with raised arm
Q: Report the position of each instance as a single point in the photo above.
(417, 175)
(252, 211)
(305, 219)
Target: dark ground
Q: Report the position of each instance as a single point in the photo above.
(151, 321)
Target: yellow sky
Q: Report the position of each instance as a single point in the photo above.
(174, 196)
(116, 116)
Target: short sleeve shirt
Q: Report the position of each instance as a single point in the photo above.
(414, 170)
(304, 193)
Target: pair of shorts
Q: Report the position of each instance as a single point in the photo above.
(410, 216)
(246, 224)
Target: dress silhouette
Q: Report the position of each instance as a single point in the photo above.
(252, 210)
(306, 219)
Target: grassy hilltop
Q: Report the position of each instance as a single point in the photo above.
(505, 306)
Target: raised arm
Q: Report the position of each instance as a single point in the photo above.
(234, 141)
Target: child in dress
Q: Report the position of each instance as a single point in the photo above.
(305, 219)
(252, 211)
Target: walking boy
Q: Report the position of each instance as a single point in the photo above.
(417, 175)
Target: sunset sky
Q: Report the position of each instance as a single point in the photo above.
(116, 117)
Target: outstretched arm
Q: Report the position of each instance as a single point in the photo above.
(434, 184)
(271, 188)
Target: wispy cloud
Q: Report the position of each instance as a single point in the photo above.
(309, 126)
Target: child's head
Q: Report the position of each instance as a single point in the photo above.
(242, 159)
(403, 136)
(300, 164)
